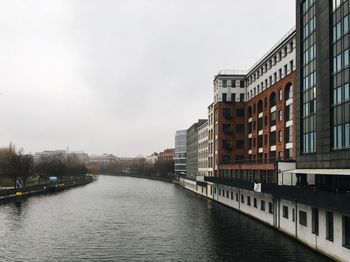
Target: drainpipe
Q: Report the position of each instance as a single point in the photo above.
(296, 219)
(239, 198)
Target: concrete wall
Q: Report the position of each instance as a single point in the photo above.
(289, 226)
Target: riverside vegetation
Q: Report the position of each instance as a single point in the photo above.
(15, 164)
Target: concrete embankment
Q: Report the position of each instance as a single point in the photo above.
(291, 217)
(9, 194)
(164, 179)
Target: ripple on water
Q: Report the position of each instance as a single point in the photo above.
(129, 219)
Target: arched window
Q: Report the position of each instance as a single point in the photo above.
(272, 99)
(249, 112)
(288, 93)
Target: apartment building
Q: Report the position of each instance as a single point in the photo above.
(203, 145)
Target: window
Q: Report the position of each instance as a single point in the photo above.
(233, 83)
(280, 155)
(280, 94)
(346, 24)
(346, 57)
(237, 198)
(273, 138)
(240, 128)
(248, 200)
(280, 136)
(231, 195)
(219, 192)
(346, 231)
(227, 194)
(293, 214)
(240, 112)
(280, 115)
(241, 97)
(329, 226)
(302, 218)
(255, 203)
(224, 83)
(273, 118)
(242, 198)
(262, 205)
(285, 70)
(285, 212)
(224, 97)
(233, 97)
(240, 144)
(289, 135)
(315, 222)
(280, 73)
(270, 208)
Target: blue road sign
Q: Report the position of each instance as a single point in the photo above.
(19, 183)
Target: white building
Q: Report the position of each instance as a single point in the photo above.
(203, 137)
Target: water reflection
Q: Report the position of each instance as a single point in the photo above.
(128, 219)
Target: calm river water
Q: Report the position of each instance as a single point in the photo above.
(130, 219)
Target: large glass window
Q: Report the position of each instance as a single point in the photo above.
(308, 89)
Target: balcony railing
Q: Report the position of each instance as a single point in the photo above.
(227, 116)
(252, 161)
(307, 195)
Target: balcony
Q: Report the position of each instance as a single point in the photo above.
(226, 145)
(251, 164)
(227, 116)
(312, 196)
(227, 131)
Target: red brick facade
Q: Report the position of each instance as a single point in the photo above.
(229, 130)
(263, 103)
(265, 123)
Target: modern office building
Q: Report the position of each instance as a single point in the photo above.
(192, 150)
(180, 153)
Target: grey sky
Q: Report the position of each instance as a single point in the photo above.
(121, 76)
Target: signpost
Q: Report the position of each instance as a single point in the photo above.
(19, 186)
(19, 183)
(257, 187)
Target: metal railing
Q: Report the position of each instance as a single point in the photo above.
(312, 196)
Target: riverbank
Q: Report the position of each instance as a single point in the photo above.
(169, 180)
(10, 194)
(289, 217)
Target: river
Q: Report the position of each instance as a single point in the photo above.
(131, 219)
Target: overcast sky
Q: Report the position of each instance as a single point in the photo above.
(121, 76)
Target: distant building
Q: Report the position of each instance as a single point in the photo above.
(211, 140)
(152, 159)
(203, 138)
(180, 153)
(167, 155)
(192, 150)
(81, 155)
(105, 158)
(166, 161)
